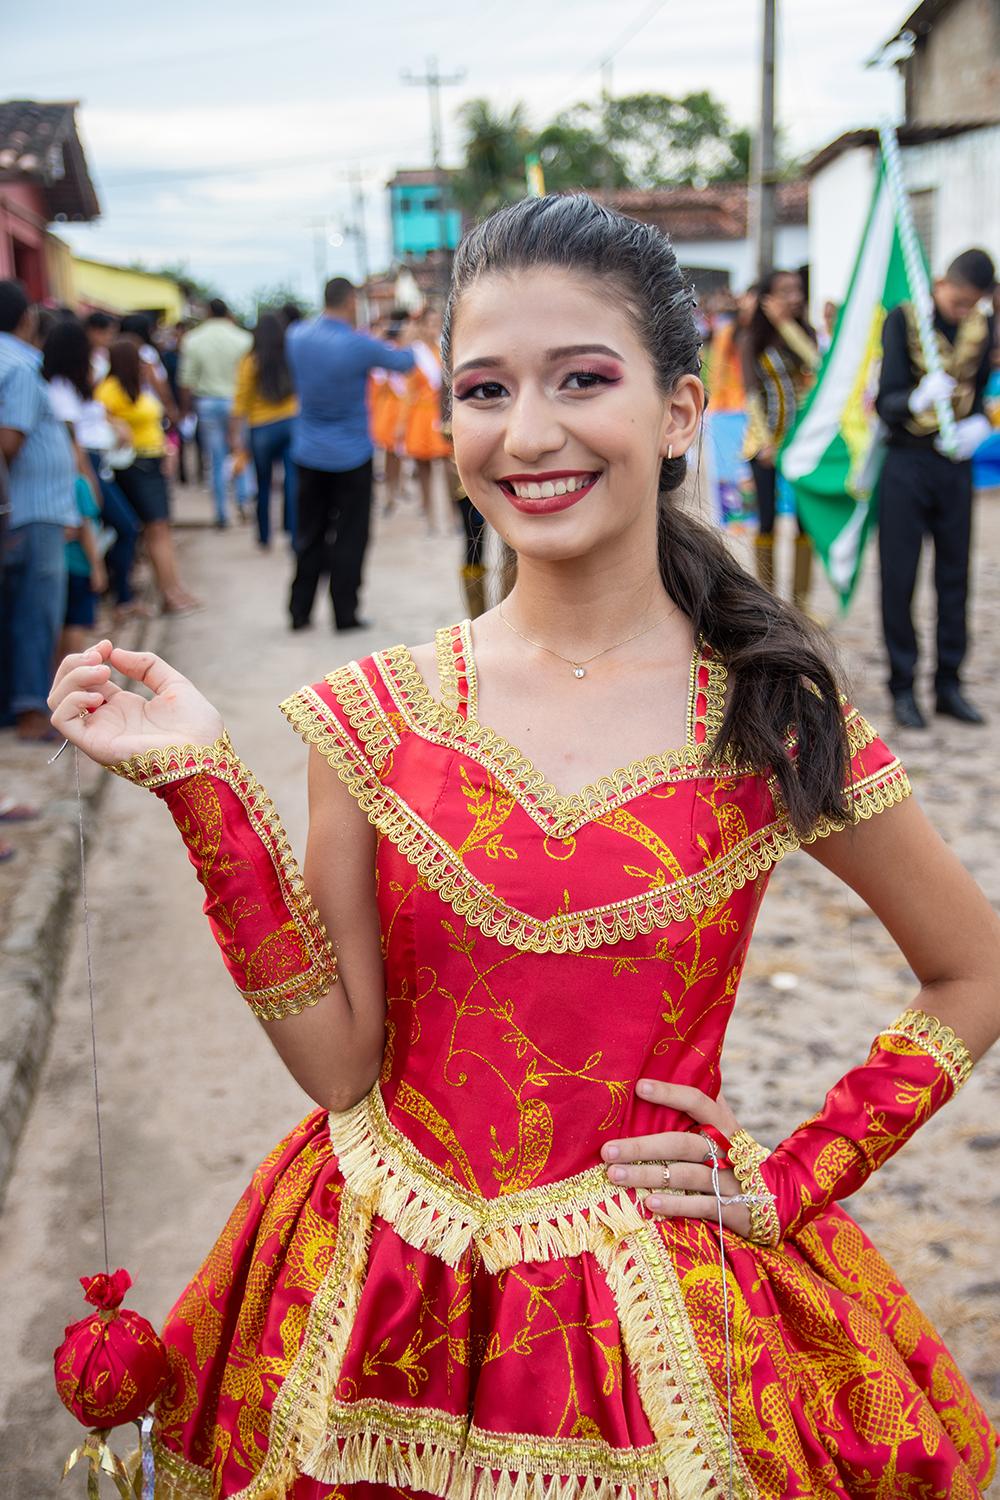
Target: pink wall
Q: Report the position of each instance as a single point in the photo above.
(22, 236)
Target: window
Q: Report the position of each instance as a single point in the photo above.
(922, 204)
(432, 205)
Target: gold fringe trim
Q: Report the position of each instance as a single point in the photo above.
(746, 1155)
(335, 1442)
(162, 767)
(301, 1409)
(430, 1211)
(936, 1039)
(566, 932)
(675, 1388)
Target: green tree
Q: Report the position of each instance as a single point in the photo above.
(574, 155)
(665, 141)
(495, 144)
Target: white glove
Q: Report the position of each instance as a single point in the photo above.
(935, 387)
(969, 435)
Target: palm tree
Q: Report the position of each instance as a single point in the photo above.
(495, 144)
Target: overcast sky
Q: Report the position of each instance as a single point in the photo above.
(221, 135)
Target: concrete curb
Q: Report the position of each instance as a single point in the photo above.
(33, 951)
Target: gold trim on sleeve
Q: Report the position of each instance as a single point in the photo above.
(746, 1155)
(936, 1039)
(163, 767)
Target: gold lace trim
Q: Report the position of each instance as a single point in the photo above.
(153, 769)
(452, 645)
(430, 1211)
(365, 713)
(565, 932)
(559, 814)
(938, 1040)
(746, 1155)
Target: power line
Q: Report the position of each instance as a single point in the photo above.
(603, 63)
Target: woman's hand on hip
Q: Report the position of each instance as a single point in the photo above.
(111, 724)
(675, 1166)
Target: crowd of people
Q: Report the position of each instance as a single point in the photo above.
(100, 416)
(762, 357)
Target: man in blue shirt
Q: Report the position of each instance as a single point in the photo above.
(332, 451)
(42, 467)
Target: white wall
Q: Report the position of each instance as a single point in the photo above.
(791, 250)
(964, 170)
(839, 198)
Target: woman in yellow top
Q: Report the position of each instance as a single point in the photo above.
(265, 402)
(125, 398)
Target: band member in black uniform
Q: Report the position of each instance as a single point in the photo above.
(923, 490)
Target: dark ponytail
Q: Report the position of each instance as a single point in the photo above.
(781, 677)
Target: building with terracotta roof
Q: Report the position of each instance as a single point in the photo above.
(947, 53)
(709, 227)
(44, 179)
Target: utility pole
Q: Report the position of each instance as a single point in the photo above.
(433, 80)
(763, 183)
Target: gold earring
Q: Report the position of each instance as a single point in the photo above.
(670, 451)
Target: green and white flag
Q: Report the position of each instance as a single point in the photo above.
(833, 455)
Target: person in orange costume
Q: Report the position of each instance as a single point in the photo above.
(490, 1263)
(423, 439)
(387, 405)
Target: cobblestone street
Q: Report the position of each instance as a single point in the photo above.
(194, 1096)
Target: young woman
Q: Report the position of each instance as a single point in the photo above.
(423, 440)
(265, 401)
(781, 358)
(125, 397)
(68, 367)
(489, 1264)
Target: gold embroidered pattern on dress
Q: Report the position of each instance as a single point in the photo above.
(566, 931)
(746, 1155)
(936, 1039)
(292, 994)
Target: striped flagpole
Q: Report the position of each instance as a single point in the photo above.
(916, 275)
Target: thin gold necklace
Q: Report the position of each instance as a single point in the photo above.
(580, 667)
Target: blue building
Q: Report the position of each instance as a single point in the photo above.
(424, 221)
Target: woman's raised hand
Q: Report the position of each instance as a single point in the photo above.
(679, 1159)
(111, 724)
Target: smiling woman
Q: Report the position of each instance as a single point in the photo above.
(523, 1249)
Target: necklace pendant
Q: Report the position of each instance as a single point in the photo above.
(579, 671)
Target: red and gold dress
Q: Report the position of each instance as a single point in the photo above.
(439, 1291)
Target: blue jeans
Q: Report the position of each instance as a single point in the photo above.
(213, 420)
(33, 609)
(268, 443)
(118, 514)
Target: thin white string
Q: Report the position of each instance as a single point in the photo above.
(88, 946)
(720, 1204)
